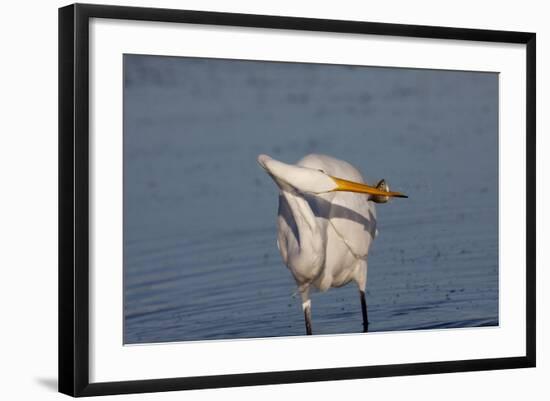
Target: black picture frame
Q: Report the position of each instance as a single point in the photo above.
(74, 198)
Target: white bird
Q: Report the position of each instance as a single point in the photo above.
(326, 223)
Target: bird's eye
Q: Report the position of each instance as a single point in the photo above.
(321, 170)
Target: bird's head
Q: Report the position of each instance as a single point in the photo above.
(310, 180)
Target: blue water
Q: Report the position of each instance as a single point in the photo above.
(200, 254)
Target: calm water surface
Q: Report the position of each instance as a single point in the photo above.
(200, 254)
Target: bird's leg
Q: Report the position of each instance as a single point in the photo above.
(362, 284)
(364, 311)
(307, 315)
(306, 307)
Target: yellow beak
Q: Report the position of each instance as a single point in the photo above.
(350, 186)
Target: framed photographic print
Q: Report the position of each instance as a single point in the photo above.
(251, 199)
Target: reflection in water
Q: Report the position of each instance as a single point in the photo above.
(200, 255)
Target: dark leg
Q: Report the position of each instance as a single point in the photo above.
(364, 312)
(306, 307)
(307, 316)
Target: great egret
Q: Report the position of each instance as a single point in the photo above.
(326, 223)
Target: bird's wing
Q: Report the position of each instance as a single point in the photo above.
(354, 219)
(351, 215)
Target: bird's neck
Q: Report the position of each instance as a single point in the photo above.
(309, 231)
